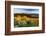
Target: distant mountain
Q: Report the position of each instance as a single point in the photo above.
(28, 15)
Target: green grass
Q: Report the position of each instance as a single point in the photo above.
(25, 25)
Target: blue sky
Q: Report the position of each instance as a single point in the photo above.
(26, 10)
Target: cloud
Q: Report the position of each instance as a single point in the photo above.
(28, 11)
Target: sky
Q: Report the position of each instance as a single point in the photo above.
(26, 10)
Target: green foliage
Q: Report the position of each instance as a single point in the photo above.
(25, 25)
